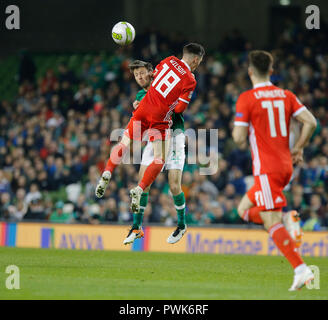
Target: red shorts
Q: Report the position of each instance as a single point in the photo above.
(141, 129)
(267, 192)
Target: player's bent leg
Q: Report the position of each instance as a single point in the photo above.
(114, 160)
(253, 215)
(142, 171)
(245, 204)
(248, 211)
(117, 154)
(286, 245)
(175, 177)
(156, 166)
(272, 221)
(291, 221)
(271, 218)
(138, 217)
(136, 231)
(160, 153)
(274, 185)
(161, 149)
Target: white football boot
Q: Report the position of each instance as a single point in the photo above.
(302, 277)
(102, 184)
(176, 235)
(133, 235)
(291, 221)
(135, 195)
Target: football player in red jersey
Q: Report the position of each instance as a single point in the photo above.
(264, 114)
(171, 90)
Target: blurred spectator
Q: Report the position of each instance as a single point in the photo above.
(218, 213)
(92, 183)
(62, 213)
(96, 213)
(237, 180)
(316, 205)
(49, 83)
(231, 213)
(19, 208)
(311, 222)
(5, 205)
(4, 183)
(80, 209)
(33, 194)
(124, 214)
(111, 212)
(36, 210)
(65, 75)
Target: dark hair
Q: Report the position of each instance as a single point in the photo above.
(262, 61)
(194, 48)
(140, 64)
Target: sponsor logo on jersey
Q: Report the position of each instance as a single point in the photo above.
(278, 200)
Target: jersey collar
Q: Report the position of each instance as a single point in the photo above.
(263, 84)
(186, 64)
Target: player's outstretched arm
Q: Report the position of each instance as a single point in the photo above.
(309, 125)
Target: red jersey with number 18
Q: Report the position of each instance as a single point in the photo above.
(172, 88)
(267, 111)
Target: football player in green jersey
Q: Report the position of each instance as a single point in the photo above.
(143, 72)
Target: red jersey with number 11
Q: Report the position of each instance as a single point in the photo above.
(172, 87)
(267, 111)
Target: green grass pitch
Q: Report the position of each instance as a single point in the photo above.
(69, 274)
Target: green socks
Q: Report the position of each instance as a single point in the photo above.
(138, 217)
(180, 206)
(179, 203)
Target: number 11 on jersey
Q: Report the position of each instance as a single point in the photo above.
(280, 105)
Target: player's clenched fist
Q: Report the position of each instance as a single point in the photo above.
(136, 104)
(297, 156)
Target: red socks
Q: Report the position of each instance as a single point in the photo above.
(279, 235)
(253, 215)
(116, 157)
(285, 244)
(151, 173)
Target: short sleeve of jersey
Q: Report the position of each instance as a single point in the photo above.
(242, 117)
(188, 90)
(297, 105)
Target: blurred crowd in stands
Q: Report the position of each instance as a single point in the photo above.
(54, 136)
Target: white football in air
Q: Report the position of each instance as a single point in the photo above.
(123, 33)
